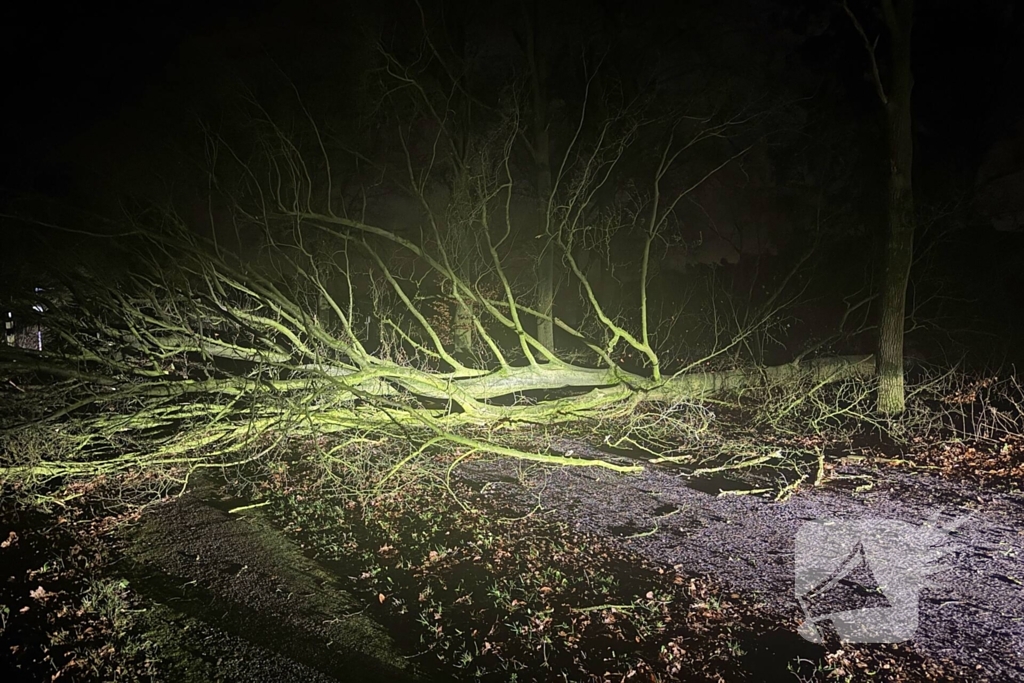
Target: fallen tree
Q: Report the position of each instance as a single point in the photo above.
(191, 360)
(341, 329)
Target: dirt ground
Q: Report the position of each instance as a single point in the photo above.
(215, 597)
(698, 586)
(972, 613)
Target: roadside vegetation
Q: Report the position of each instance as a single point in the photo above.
(470, 589)
(483, 253)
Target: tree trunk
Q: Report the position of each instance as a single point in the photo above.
(545, 268)
(900, 243)
(462, 330)
(546, 294)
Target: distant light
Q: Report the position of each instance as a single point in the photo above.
(38, 308)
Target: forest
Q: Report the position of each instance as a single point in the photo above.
(580, 341)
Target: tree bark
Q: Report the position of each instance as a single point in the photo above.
(900, 243)
(542, 159)
(462, 330)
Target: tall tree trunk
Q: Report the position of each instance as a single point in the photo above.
(542, 159)
(899, 248)
(545, 265)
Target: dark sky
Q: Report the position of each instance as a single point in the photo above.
(72, 66)
(97, 93)
(89, 71)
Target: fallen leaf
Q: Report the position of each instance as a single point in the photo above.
(40, 594)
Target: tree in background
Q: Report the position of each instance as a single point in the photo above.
(898, 16)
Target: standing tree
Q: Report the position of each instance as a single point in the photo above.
(898, 17)
(540, 149)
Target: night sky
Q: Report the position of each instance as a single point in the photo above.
(72, 69)
(99, 97)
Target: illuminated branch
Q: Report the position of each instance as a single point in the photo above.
(199, 356)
